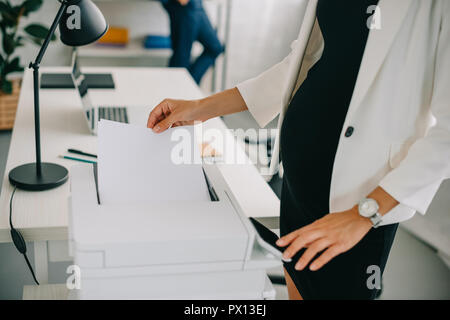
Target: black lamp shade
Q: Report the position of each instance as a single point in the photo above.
(82, 24)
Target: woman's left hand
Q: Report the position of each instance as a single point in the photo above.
(334, 234)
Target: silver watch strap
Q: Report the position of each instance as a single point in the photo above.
(376, 219)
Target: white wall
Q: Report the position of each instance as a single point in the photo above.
(263, 28)
(57, 54)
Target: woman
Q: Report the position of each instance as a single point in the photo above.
(364, 135)
(189, 23)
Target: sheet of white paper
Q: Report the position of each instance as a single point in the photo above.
(136, 165)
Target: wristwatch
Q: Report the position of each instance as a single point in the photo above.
(368, 208)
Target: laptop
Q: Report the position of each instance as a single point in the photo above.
(64, 80)
(92, 113)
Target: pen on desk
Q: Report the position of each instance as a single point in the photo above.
(82, 153)
(77, 159)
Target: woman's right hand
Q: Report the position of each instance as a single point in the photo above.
(173, 113)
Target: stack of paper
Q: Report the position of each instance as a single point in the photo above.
(136, 165)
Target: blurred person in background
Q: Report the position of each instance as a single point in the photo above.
(189, 23)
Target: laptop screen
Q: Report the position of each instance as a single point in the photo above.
(81, 87)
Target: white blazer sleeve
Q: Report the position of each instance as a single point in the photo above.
(417, 178)
(263, 94)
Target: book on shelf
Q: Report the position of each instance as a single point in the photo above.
(116, 37)
(157, 42)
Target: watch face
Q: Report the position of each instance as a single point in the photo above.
(368, 208)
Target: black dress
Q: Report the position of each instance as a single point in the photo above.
(309, 138)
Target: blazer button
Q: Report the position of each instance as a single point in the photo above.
(349, 131)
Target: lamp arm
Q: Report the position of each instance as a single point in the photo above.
(35, 67)
(49, 34)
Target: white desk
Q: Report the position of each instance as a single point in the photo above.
(42, 216)
(46, 292)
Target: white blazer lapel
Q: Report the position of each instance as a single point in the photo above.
(303, 38)
(302, 43)
(392, 14)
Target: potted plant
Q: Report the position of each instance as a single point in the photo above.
(12, 37)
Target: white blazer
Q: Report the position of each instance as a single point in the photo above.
(400, 108)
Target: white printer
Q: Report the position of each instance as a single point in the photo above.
(166, 250)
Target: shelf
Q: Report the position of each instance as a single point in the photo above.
(134, 49)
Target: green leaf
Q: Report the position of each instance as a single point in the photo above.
(9, 15)
(2, 64)
(8, 20)
(4, 7)
(19, 41)
(13, 66)
(6, 86)
(36, 41)
(38, 31)
(31, 6)
(8, 44)
(17, 10)
(2, 28)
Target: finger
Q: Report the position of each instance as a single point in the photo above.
(301, 242)
(311, 252)
(182, 123)
(287, 239)
(156, 115)
(164, 124)
(324, 258)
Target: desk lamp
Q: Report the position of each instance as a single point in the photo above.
(80, 23)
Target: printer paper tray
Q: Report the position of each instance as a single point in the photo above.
(251, 285)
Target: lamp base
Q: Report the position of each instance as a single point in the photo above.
(52, 175)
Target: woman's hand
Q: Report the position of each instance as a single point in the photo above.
(173, 113)
(335, 233)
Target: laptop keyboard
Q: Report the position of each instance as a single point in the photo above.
(118, 114)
